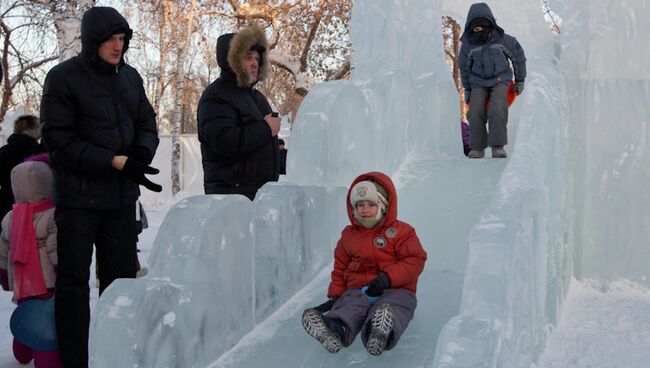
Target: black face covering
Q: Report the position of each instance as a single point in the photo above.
(481, 37)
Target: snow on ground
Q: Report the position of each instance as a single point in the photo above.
(603, 325)
(145, 243)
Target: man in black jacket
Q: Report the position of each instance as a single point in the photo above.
(100, 131)
(237, 130)
(20, 145)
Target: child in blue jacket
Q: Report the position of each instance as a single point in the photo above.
(485, 58)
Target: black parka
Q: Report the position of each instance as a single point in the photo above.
(238, 152)
(92, 111)
(18, 148)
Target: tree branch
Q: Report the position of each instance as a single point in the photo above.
(21, 73)
(341, 72)
(311, 36)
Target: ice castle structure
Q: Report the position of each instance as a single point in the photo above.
(229, 278)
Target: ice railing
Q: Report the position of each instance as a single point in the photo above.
(219, 266)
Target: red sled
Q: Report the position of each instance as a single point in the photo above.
(511, 96)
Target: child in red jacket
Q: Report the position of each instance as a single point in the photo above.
(377, 263)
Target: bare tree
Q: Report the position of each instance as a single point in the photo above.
(551, 17)
(26, 27)
(178, 90)
(67, 16)
(19, 24)
(451, 32)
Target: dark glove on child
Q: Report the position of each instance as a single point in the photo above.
(377, 286)
(327, 305)
(135, 170)
(519, 88)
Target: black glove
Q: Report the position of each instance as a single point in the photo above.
(141, 154)
(519, 88)
(327, 305)
(377, 286)
(135, 170)
(467, 94)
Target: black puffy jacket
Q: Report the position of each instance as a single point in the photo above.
(17, 149)
(92, 111)
(238, 152)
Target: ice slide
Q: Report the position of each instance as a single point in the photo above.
(229, 278)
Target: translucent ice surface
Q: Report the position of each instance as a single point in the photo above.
(605, 57)
(399, 106)
(229, 279)
(220, 264)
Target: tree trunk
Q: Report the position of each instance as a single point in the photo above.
(67, 21)
(163, 44)
(179, 88)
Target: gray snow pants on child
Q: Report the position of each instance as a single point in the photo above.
(355, 311)
(496, 116)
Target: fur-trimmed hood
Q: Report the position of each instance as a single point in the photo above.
(232, 49)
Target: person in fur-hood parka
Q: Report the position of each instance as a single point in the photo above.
(238, 134)
(235, 46)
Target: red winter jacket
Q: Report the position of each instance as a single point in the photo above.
(391, 246)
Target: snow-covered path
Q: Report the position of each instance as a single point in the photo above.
(602, 326)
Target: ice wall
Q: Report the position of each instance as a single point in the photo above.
(605, 58)
(220, 265)
(400, 105)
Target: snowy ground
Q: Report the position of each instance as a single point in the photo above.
(602, 325)
(6, 306)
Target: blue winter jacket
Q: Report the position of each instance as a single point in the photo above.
(487, 65)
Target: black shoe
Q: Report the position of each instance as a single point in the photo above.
(381, 325)
(317, 327)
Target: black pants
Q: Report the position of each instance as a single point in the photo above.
(113, 233)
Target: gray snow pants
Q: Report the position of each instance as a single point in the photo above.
(496, 116)
(355, 311)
